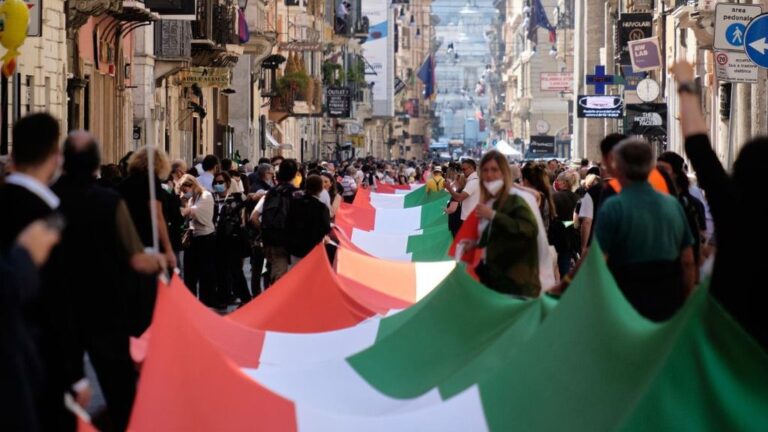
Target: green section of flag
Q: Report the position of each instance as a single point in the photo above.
(430, 247)
(433, 213)
(443, 333)
(414, 198)
(595, 364)
(590, 364)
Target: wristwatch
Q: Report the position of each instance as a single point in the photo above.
(691, 87)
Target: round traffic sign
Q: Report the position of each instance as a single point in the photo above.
(735, 34)
(756, 41)
(722, 59)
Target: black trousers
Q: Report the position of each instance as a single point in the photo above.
(200, 269)
(257, 264)
(229, 269)
(111, 359)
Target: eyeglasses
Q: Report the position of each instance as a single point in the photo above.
(219, 182)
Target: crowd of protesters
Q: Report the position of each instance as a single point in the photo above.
(82, 242)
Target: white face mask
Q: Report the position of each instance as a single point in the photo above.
(494, 186)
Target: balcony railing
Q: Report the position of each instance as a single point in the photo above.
(216, 22)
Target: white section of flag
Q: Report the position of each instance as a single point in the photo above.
(462, 413)
(290, 349)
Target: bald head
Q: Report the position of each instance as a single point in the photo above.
(81, 154)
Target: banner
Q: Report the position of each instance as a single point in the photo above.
(600, 107)
(632, 26)
(646, 119)
(378, 50)
(542, 145)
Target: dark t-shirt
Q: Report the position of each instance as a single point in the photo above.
(135, 192)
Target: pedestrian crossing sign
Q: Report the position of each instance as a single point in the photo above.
(731, 22)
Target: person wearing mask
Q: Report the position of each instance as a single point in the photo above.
(436, 182)
(738, 268)
(239, 183)
(231, 240)
(645, 237)
(199, 257)
(508, 231)
(309, 219)
(469, 195)
(20, 372)
(271, 217)
(101, 293)
(334, 199)
(349, 185)
(25, 198)
(211, 166)
(135, 192)
(562, 234)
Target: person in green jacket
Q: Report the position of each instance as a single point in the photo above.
(508, 231)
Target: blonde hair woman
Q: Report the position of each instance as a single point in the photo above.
(200, 252)
(135, 191)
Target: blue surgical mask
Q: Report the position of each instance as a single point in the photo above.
(188, 194)
(219, 188)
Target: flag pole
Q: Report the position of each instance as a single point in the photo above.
(152, 197)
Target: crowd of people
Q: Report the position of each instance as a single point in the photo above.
(82, 243)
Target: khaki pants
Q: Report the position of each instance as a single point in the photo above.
(279, 260)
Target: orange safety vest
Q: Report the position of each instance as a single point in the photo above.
(656, 179)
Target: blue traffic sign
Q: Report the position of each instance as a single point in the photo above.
(756, 41)
(735, 34)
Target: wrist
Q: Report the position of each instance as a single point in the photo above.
(688, 86)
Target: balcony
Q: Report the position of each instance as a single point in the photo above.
(261, 38)
(296, 96)
(78, 11)
(214, 35)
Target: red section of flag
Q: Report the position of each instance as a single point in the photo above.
(349, 215)
(362, 198)
(468, 231)
(84, 426)
(388, 188)
(242, 344)
(187, 385)
(308, 299)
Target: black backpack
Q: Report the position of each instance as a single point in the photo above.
(274, 215)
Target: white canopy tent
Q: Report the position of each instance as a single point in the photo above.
(507, 150)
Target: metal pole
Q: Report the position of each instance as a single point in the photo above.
(152, 196)
(4, 114)
(731, 132)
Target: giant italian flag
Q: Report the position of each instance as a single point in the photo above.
(466, 358)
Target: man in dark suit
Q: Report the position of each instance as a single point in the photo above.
(24, 198)
(102, 290)
(19, 364)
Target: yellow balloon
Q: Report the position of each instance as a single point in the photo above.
(14, 15)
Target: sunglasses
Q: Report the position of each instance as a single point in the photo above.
(219, 182)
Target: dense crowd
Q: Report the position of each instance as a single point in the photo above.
(81, 243)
